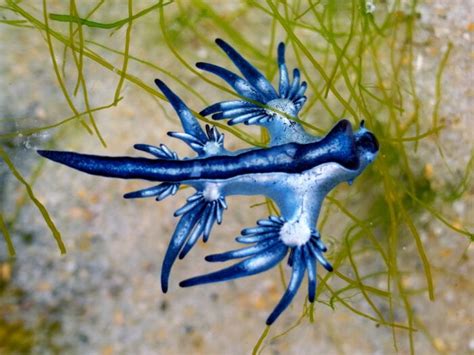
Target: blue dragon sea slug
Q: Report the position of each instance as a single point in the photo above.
(296, 170)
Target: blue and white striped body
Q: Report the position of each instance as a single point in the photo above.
(296, 171)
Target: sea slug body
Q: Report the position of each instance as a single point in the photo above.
(297, 170)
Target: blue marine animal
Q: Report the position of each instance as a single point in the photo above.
(296, 171)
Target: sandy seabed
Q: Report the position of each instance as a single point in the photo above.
(105, 293)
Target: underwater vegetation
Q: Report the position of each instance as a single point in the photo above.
(359, 62)
(296, 171)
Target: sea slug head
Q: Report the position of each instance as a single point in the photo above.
(367, 146)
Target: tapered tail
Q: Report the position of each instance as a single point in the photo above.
(118, 167)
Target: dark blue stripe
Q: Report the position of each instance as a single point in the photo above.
(338, 146)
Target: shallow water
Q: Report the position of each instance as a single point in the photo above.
(103, 296)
